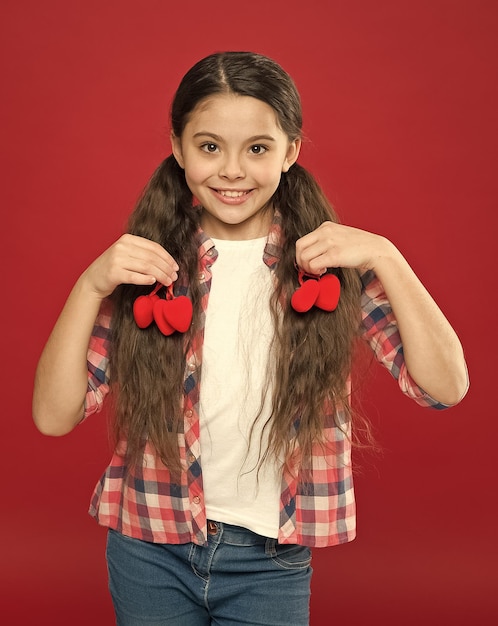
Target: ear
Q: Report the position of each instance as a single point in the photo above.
(292, 154)
(176, 147)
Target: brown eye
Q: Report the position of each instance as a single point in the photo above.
(209, 147)
(258, 149)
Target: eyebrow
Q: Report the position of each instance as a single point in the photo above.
(249, 140)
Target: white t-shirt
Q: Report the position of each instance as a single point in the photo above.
(237, 341)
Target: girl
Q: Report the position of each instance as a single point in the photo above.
(234, 271)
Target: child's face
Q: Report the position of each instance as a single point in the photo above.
(234, 153)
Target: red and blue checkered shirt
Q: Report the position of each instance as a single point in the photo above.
(147, 504)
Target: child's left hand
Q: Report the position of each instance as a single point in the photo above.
(336, 245)
(432, 351)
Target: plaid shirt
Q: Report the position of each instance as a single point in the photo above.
(144, 502)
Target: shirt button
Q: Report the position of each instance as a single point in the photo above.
(191, 458)
(201, 276)
(196, 499)
(189, 413)
(191, 367)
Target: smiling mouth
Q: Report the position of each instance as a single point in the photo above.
(228, 193)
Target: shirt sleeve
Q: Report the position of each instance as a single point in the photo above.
(380, 329)
(98, 361)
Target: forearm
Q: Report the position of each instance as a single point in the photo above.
(432, 351)
(61, 377)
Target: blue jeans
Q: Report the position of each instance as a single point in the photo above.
(238, 578)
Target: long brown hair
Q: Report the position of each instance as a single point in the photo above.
(312, 352)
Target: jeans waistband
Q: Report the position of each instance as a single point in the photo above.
(236, 535)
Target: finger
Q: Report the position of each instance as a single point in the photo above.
(313, 259)
(155, 249)
(316, 266)
(152, 270)
(141, 256)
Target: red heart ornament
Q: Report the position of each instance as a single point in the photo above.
(171, 314)
(158, 311)
(142, 311)
(305, 296)
(178, 313)
(329, 292)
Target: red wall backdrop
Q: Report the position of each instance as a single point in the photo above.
(400, 102)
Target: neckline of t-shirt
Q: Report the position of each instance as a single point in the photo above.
(244, 244)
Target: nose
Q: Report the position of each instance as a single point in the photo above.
(231, 168)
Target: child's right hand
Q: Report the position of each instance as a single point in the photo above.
(61, 376)
(130, 260)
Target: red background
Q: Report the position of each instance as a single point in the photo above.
(400, 103)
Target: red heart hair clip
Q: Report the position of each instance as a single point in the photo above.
(320, 291)
(170, 313)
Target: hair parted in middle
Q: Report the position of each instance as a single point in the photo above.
(311, 353)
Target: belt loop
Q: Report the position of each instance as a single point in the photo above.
(270, 546)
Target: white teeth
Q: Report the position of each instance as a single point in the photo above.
(232, 194)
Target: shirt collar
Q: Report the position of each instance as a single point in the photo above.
(273, 247)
